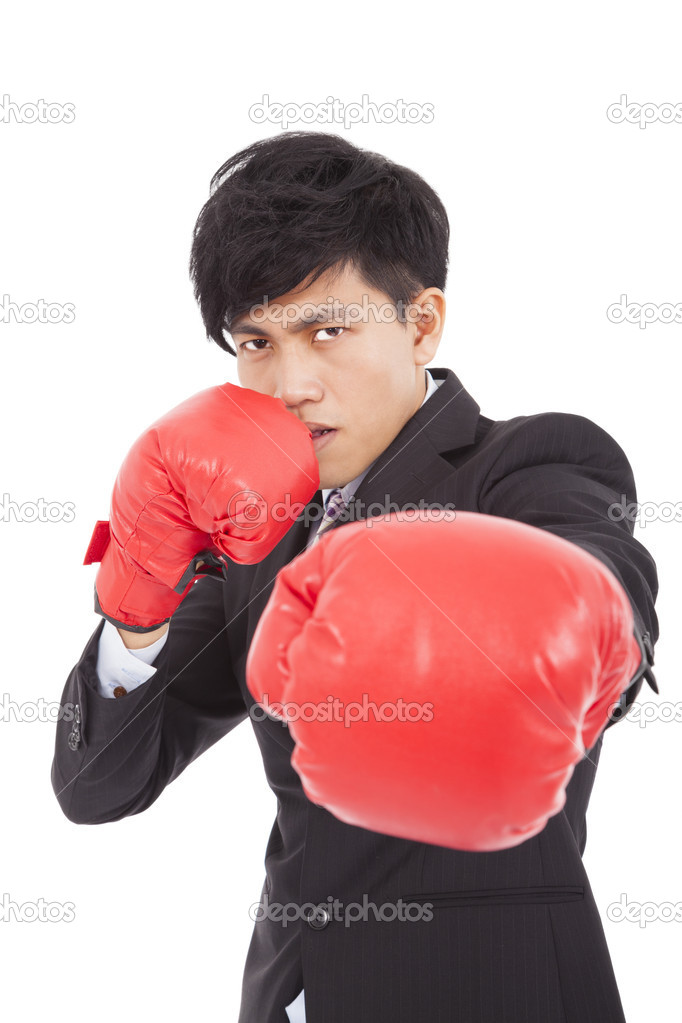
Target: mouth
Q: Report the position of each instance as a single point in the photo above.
(322, 437)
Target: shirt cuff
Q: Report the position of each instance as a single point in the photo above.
(117, 666)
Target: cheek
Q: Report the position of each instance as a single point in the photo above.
(250, 377)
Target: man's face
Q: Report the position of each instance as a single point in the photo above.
(361, 375)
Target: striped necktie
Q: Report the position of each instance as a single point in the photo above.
(333, 508)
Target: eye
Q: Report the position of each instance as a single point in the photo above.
(326, 330)
(253, 341)
(264, 341)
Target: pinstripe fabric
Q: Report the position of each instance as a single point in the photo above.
(515, 936)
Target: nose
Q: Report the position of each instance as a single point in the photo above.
(295, 379)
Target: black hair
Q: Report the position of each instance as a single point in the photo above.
(304, 203)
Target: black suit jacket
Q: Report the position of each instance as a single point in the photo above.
(514, 936)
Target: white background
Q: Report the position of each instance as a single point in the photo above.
(555, 212)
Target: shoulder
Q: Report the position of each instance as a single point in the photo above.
(551, 438)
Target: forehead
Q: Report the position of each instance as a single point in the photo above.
(309, 303)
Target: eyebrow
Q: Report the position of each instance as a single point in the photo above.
(296, 328)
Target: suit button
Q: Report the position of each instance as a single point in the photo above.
(74, 739)
(317, 918)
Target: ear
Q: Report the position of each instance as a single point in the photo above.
(427, 320)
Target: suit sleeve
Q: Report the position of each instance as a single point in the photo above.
(113, 758)
(563, 473)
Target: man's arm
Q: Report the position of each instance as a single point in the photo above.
(565, 474)
(122, 753)
(179, 507)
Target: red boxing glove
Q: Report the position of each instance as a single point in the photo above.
(472, 660)
(199, 485)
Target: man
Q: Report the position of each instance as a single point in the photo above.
(513, 931)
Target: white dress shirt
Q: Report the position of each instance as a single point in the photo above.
(118, 666)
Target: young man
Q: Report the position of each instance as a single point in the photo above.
(296, 224)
